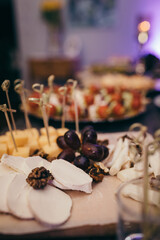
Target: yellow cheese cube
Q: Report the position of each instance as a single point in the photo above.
(8, 133)
(43, 140)
(62, 131)
(3, 149)
(32, 133)
(22, 151)
(21, 138)
(10, 147)
(52, 131)
(53, 150)
(3, 139)
(33, 145)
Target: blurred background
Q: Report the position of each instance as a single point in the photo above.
(65, 37)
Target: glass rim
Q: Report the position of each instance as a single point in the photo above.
(122, 206)
(120, 203)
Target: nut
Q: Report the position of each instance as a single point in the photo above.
(39, 177)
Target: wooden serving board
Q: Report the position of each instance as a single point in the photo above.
(96, 209)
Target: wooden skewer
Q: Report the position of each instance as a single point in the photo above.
(62, 91)
(38, 87)
(43, 101)
(74, 84)
(5, 86)
(5, 109)
(50, 83)
(142, 131)
(20, 90)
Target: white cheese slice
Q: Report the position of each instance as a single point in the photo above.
(116, 153)
(139, 166)
(136, 192)
(4, 169)
(131, 173)
(154, 161)
(17, 197)
(50, 205)
(33, 162)
(59, 185)
(13, 162)
(71, 176)
(121, 159)
(5, 181)
(25, 165)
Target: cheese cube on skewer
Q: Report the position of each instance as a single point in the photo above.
(32, 133)
(3, 139)
(61, 131)
(3, 149)
(52, 131)
(43, 140)
(21, 137)
(53, 150)
(21, 151)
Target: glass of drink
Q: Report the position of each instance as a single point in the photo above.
(138, 219)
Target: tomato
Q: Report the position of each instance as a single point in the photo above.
(102, 111)
(94, 89)
(89, 99)
(51, 110)
(31, 104)
(117, 97)
(118, 109)
(110, 89)
(72, 111)
(136, 103)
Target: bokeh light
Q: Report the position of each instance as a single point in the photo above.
(144, 26)
(143, 37)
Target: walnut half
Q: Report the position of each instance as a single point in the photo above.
(39, 177)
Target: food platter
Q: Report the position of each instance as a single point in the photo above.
(94, 121)
(93, 105)
(95, 210)
(96, 204)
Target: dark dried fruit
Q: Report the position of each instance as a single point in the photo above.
(39, 152)
(103, 142)
(82, 162)
(61, 142)
(96, 172)
(89, 136)
(89, 127)
(93, 151)
(39, 177)
(72, 139)
(67, 154)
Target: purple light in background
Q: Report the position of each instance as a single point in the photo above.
(153, 45)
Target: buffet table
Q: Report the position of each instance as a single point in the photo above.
(150, 118)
